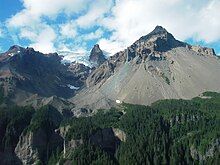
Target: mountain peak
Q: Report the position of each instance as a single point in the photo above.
(15, 48)
(97, 46)
(161, 40)
(159, 29)
(158, 32)
(96, 56)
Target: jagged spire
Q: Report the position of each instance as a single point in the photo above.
(96, 56)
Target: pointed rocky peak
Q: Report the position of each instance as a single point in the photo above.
(160, 40)
(96, 56)
(159, 30)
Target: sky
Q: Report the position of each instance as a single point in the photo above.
(67, 26)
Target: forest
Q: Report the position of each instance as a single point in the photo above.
(167, 132)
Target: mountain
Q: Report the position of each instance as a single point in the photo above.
(157, 66)
(56, 121)
(96, 56)
(25, 72)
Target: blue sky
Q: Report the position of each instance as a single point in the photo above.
(76, 25)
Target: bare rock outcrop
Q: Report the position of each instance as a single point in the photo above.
(210, 152)
(25, 150)
(203, 50)
(35, 146)
(108, 139)
(96, 56)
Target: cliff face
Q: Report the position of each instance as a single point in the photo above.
(210, 152)
(37, 146)
(108, 139)
(25, 150)
(40, 140)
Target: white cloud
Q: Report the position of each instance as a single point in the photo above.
(30, 23)
(28, 33)
(53, 7)
(22, 19)
(94, 35)
(95, 12)
(45, 41)
(111, 46)
(68, 30)
(131, 19)
(34, 10)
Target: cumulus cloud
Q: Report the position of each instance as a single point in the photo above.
(130, 19)
(93, 35)
(31, 25)
(38, 17)
(34, 10)
(95, 13)
(28, 33)
(68, 30)
(44, 41)
(110, 46)
(124, 21)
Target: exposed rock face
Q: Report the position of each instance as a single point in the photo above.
(34, 146)
(40, 139)
(119, 134)
(203, 50)
(100, 74)
(24, 72)
(108, 139)
(80, 70)
(183, 118)
(96, 56)
(25, 151)
(155, 67)
(214, 148)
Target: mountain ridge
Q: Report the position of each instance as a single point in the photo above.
(154, 61)
(157, 66)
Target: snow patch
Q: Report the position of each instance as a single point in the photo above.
(79, 57)
(11, 54)
(73, 87)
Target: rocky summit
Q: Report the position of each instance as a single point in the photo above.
(96, 56)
